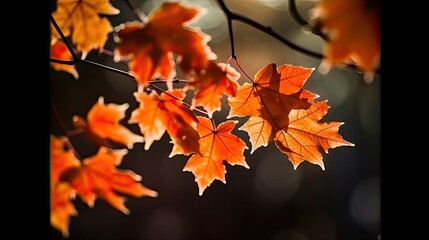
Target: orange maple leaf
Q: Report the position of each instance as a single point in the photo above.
(276, 102)
(80, 19)
(97, 176)
(59, 51)
(216, 145)
(157, 114)
(211, 84)
(103, 122)
(61, 206)
(151, 46)
(352, 29)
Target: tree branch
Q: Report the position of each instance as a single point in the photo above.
(235, 16)
(108, 68)
(230, 15)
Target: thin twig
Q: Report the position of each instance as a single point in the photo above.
(235, 16)
(64, 131)
(175, 80)
(108, 68)
(178, 99)
(66, 62)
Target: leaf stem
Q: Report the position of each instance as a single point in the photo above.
(242, 70)
(141, 16)
(112, 54)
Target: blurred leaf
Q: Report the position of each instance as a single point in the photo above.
(352, 29)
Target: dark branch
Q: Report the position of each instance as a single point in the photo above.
(293, 10)
(69, 47)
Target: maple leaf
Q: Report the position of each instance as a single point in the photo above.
(150, 47)
(305, 135)
(157, 114)
(280, 109)
(60, 194)
(352, 29)
(80, 19)
(211, 84)
(103, 122)
(59, 51)
(97, 176)
(216, 145)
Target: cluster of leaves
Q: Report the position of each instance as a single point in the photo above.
(279, 107)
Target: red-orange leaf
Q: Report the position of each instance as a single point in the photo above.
(98, 176)
(103, 121)
(352, 29)
(82, 21)
(151, 46)
(211, 84)
(216, 145)
(157, 114)
(59, 51)
(61, 206)
(281, 110)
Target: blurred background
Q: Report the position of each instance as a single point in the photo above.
(268, 201)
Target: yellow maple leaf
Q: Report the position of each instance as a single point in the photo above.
(80, 19)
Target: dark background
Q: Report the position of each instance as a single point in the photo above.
(268, 201)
